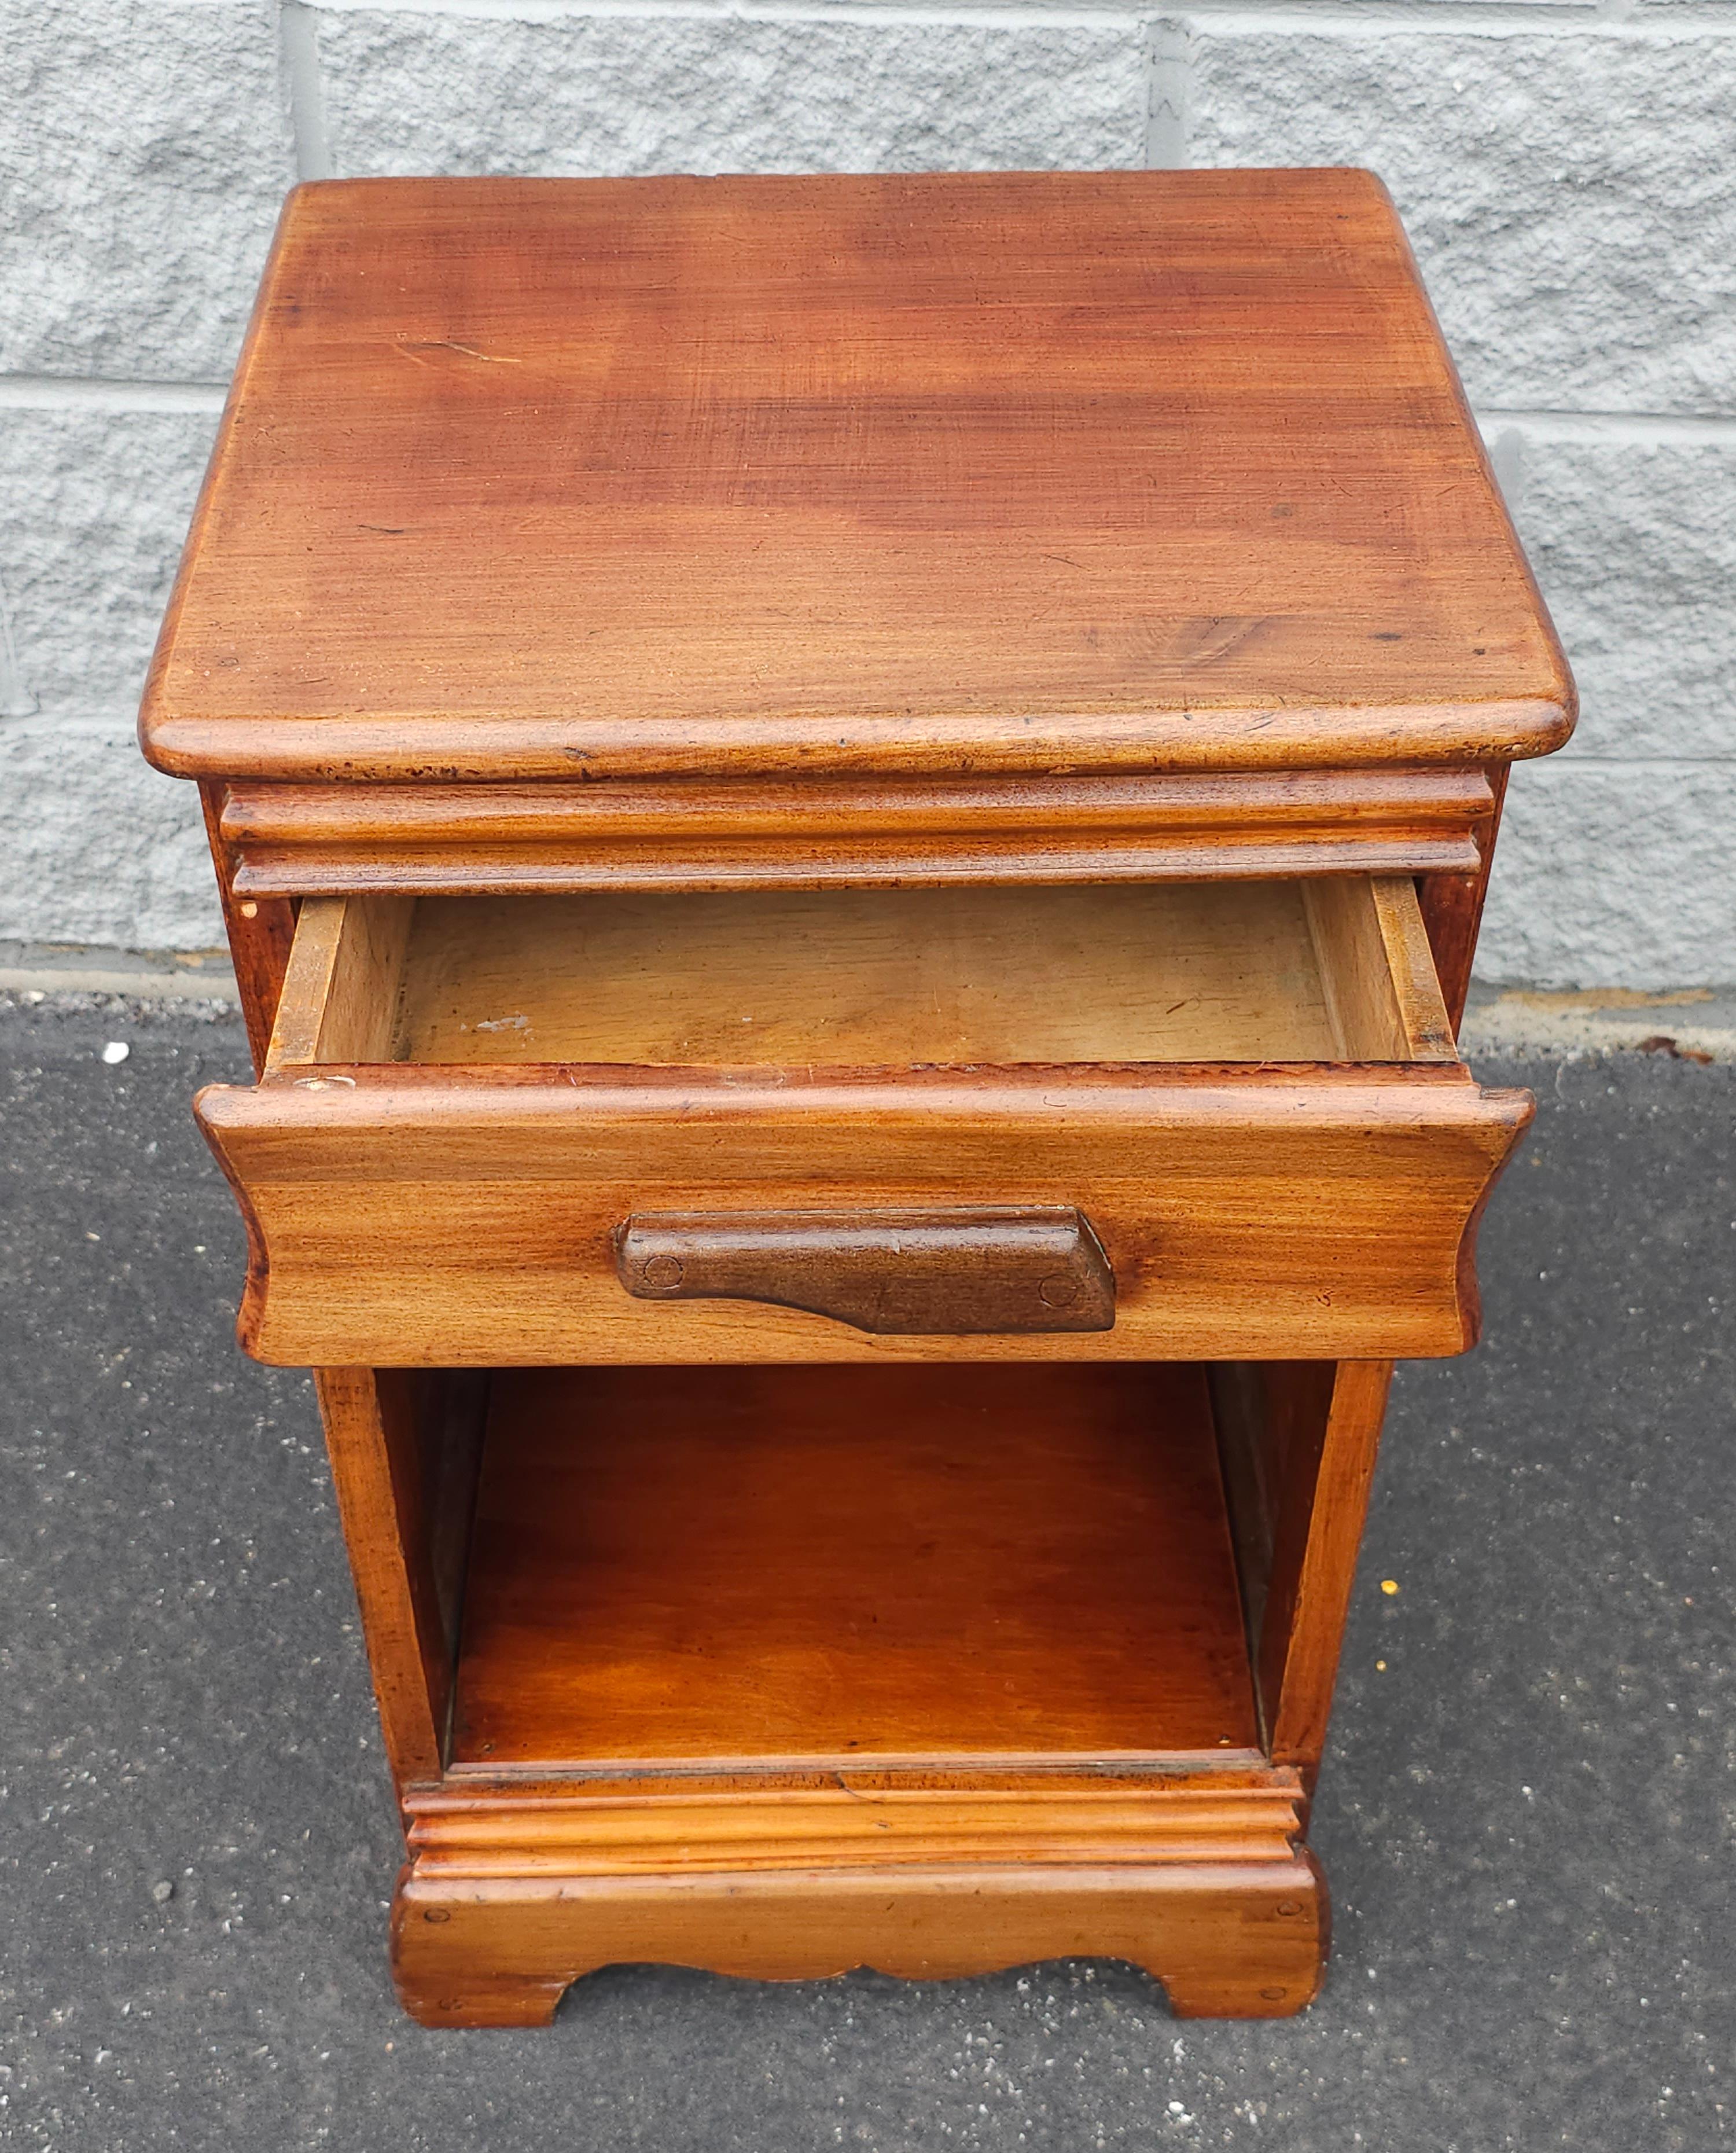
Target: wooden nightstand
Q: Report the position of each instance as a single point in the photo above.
(852, 813)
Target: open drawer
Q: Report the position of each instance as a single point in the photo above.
(1149, 1121)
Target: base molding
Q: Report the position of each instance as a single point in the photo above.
(506, 1902)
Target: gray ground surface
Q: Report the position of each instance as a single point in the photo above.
(1525, 1816)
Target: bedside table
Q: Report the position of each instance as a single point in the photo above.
(853, 814)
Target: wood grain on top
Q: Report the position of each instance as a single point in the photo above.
(545, 479)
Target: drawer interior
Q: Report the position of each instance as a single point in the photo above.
(826, 1563)
(1327, 969)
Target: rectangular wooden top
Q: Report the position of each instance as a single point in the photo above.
(1122, 470)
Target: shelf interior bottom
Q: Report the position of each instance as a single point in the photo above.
(913, 1562)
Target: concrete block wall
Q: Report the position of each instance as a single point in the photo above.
(1567, 169)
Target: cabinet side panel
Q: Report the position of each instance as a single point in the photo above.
(389, 1431)
(1271, 1418)
(1321, 1504)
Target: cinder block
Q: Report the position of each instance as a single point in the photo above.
(94, 847)
(1614, 876)
(93, 509)
(1572, 197)
(1635, 546)
(144, 154)
(619, 93)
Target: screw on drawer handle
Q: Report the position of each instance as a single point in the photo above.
(938, 1274)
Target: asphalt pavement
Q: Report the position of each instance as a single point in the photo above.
(1526, 1815)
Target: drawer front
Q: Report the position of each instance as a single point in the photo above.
(447, 1218)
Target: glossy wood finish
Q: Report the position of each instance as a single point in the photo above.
(261, 932)
(635, 637)
(1452, 906)
(823, 833)
(829, 1564)
(1298, 1441)
(934, 475)
(926, 1274)
(466, 1214)
(1199, 1881)
(857, 1812)
(1188, 1865)
(1323, 1502)
(878, 1573)
(1204, 1888)
(404, 1450)
(1251, 1212)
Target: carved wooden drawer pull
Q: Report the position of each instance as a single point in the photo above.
(938, 1273)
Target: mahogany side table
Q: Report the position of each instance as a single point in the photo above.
(852, 813)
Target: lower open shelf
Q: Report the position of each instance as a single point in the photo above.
(777, 1671)
(809, 1564)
